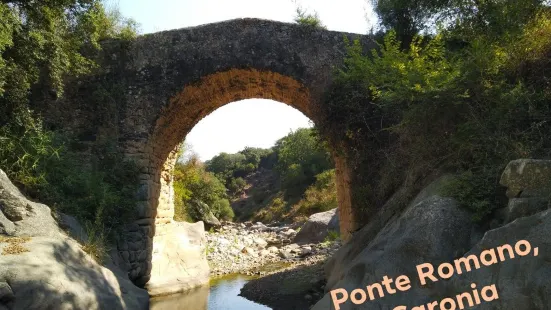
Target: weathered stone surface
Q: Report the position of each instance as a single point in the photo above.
(317, 227)
(522, 207)
(337, 265)
(527, 178)
(178, 260)
(434, 230)
(6, 294)
(12, 203)
(259, 242)
(6, 226)
(51, 271)
(173, 79)
(72, 227)
(523, 283)
(206, 215)
(57, 274)
(29, 218)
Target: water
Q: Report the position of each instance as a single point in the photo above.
(221, 295)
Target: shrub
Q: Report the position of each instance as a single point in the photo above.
(401, 113)
(304, 18)
(198, 191)
(223, 210)
(96, 244)
(320, 197)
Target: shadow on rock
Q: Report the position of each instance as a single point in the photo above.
(297, 288)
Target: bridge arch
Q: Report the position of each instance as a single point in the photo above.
(178, 118)
(169, 81)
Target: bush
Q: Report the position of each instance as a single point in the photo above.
(38, 52)
(304, 18)
(223, 210)
(198, 191)
(320, 197)
(301, 155)
(236, 186)
(470, 108)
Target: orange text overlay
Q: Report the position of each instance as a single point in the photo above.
(427, 273)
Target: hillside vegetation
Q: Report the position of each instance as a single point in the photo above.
(293, 179)
(455, 86)
(42, 46)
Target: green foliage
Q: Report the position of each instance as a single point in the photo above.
(101, 190)
(466, 108)
(232, 168)
(306, 19)
(275, 209)
(472, 191)
(236, 186)
(96, 244)
(26, 151)
(223, 209)
(41, 45)
(194, 188)
(297, 168)
(467, 18)
(319, 197)
(300, 157)
(332, 236)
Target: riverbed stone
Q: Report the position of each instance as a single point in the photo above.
(527, 178)
(261, 243)
(285, 254)
(249, 251)
(318, 226)
(178, 260)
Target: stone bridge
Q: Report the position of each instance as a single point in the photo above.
(173, 79)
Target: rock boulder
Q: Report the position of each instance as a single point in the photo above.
(434, 230)
(42, 268)
(318, 227)
(527, 178)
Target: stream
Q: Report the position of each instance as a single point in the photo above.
(221, 294)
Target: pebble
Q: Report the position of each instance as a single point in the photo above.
(244, 247)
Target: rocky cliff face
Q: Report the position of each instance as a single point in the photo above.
(43, 268)
(434, 229)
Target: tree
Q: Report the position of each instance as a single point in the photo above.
(304, 18)
(41, 44)
(495, 17)
(301, 156)
(195, 187)
(409, 18)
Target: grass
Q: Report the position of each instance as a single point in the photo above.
(15, 245)
(96, 244)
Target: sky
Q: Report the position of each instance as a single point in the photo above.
(253, 122)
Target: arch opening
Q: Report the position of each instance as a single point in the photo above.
(176, 120)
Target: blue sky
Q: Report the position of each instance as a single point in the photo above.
(253, 122)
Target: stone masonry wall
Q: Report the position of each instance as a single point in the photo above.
(172, 79)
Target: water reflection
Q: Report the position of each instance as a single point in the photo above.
(223, 296)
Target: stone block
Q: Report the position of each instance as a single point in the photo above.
(143, 209)
(527, 178)
(523, 207)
